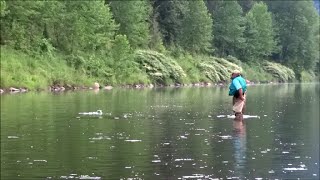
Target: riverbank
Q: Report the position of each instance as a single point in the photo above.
(22, 72)
(56, 89)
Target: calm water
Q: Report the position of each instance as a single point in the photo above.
(161, 134)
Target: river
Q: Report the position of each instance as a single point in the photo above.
(165, 133)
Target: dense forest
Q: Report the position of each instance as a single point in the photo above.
(160, 42)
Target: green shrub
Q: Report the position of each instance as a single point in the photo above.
(256, 73)
(160, 69)
(125, 69)
(190, 66)
(234, 60)
(217, 69)
(21, 70)
(307, 76)
(280, 72)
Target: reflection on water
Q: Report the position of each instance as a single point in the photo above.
(240, 146)
(161, 134)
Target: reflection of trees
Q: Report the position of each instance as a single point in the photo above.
(240, 148)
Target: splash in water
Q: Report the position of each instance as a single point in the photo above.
(98, 112)
(233, 116)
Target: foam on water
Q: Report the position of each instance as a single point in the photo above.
(13, 137)
(233, 116)
(188, 159)
(98, 112)
(88, 177)
(133, 140)
(79, 177)
(295, 169)
(226, 137)
(183, 137)
(193, 176)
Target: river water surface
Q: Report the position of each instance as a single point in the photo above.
(170, 133)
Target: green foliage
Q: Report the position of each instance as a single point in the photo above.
(316, 48)
(160, 68)
(259, 34)
(234, 60)
(134, 18)
(156, 42)
(121, 49)
(22, 26)
(85, 26)
(306, 76)
(126, 70)
(176, 51)
(246, 5)
(217, 69)
(3, 7)
(298, 24)
(37, 73)
(255, 72)
(171, 14)
(228, 28)
(69, 26)
(282, 73)
(196, 32)
(190, 65)
(77, 42)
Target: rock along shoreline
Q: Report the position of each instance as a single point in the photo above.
(96, 86)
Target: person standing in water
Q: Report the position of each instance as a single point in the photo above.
(237, 89)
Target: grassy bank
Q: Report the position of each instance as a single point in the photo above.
(38, 72)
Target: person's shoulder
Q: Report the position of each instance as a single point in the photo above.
(242, 78)
(235, 79)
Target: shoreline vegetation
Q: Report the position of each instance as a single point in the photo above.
(21, 72)
(67, 45)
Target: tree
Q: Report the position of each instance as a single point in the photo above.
(228, 28)
(22, 26)
(134, 20)
(2, 8)
(156, 42)
(170, 16)
(317, 47)
(298, 26)
(246, 5)
(259, 33)
(69, 26)
(196, 33)
(85, 26)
